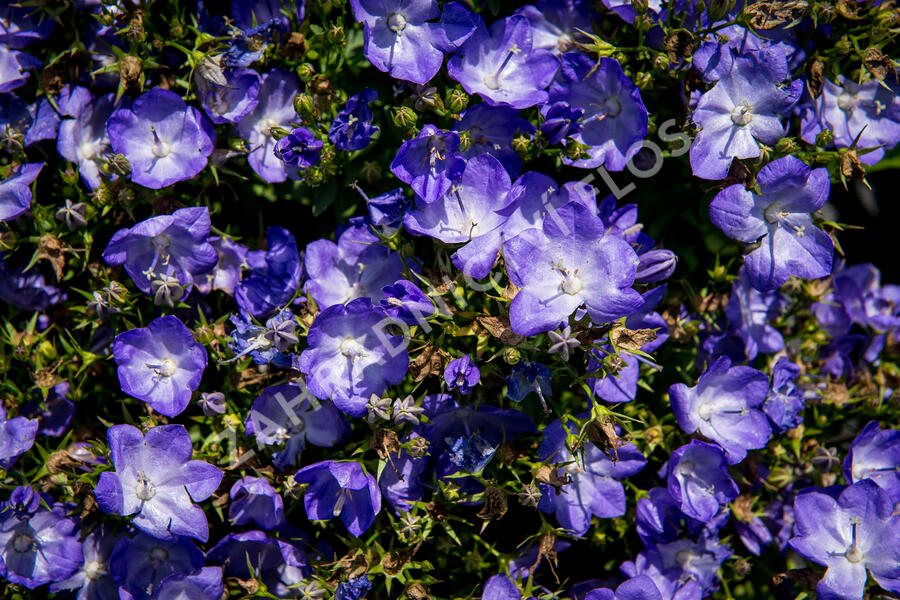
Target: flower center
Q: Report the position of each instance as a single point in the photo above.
(705, 411)
(396, 22)
(167, 367)
(612, 106)
(773, 213)
(94, 570)
(742, 114)
(492, 81)
(351, 348)
(854, 554)
(160, 148)
(342, 498)
(23, 543)
(158, 556)
(846, 102)
(144, 490)
(571, 283)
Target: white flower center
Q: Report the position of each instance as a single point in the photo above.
(158, 555)
(94, 570)
(167, 367)
(23, 543)
(351, 348)
(396, 22)
(706, 411)
(773, 213)
(854, 554)
(144, 490)
(492, 81)
(612, 106)
(846, 102)
(742, 114)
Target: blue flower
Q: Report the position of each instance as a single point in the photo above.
(352, 129)
(429, 162)
(299, 148)
(462, 373)
(274, 275)
(340, 489)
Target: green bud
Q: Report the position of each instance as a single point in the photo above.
(522, 143)
(639, 6)
(661, 62)
(644, 81)
(204, 335)
(465, 140)
(511, 356)
(306, 72)
(457, 100)
(718, 9)
(843, 46)
(786, 146)
(405, 117)
(825, 138)
(278, 132)
(305, 106)
(336, 35)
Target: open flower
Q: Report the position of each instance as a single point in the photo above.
(15, 191)
(163, 139)
(340, 489)
(698, 479)
(160, 364)
(156, 481)
(875, 455)
(429, 162)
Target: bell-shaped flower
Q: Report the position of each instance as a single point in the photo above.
(278, 564)
(725, 407)
(274, 274)
(352, 129)
(429, 162)
(405, 302)
(462, 373)
(275, 109)
(403, 40)
(614, 118)
(93, 579)
(699, 481)
(289, 413)
(16, 437)
(594, 487)
(163, 139)
(501, 66)
(849, 534)
(779, 221)
(156, 481)
(15, 191)
(14, 67)
(875, 455)
(232, 101)
(82, 134)
(570, 262)
(254, 500)
(641, 587)
(785, 402)
(141, 563)
(265, 345)
(492, 129)
(557, 24)
(340, 489)
(470, 213)
(160, 364)
(227, 272)
(752, 312)
(205, 584)
(351, 356)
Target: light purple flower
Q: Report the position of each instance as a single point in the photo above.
(501, 66)
(205, 584)
(595, 489)
(358, 265)
(640, 587)
(275, 109)
(15, 191)
(254, 500)
(352, 129)
(462, 373)
(163, 139)
(16, 437)
(160, 364)
(742, 109)
(350, 355)
(875, 455)
(614, 117)
(227, 273)
(93, 579)
(14, 67)
(233, 101)
(156, 481)
(273, 277)
(299, 148)
(492, 129)
(405, 302)
(784, 404)
(725, 407)
(698, 480)
(173, 245)
(279, 564)
(140, 564)
(340, 489)
(555, 24)
(401, 38)
(779, 220)
(82, 135)
(752, 311)
(849, 534)
(429, 162)
(570, 262)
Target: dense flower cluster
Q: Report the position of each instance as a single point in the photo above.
(345, 299)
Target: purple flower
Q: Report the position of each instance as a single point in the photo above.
(141, 563)
(93, 579)
(470, 213)
(401, 41)
(875, 455)
(299, 148)
(353, 589)
(24, 125)
(266, 345)
(570, 262)
(528, 377)
(725, 407)
(160, 364)
(614, 117)
(659, 519)
(38, 546)
(751, 311)
(341, 489)
(595, 489)
(741, 110)
(273, 277)
(275, 109)
(14, 67)
(165, 246)
(401, 480)
(619, 383)
(358, 265)
(53, 412)
(462, 373)
(500, 587)
(491, 130)
(15, 191)
(784, 404)
(254, 500)
(280, 565)
(233, 101)
(870, 112)
(656, 265)
(641, 587)
(352, 129)
(534, 196)
(405, 302)
(156, 481)
(350, 356)
(388, 209)
(288, 413)
(555, 24)
(683, 560)
(698, 480)
(561, 120)
(227, 272)
(245, 12)
(853, 532)
(212, 403)
(205, 584)
(163, 139)
(23, 25)
(16, 437)
(779, 220)
(82, 136)
(501, 66)
(429, 162)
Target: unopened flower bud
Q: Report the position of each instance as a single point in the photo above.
(656, 265)
(786, 146)
(511, 356)
(522, 143)
(457, 101)
(336, 35)
(305, 106)
(405, 117)
(371, 171)
(306, 72)
(719, 9)
(204, 334)
(639, 6)
(825, 138)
